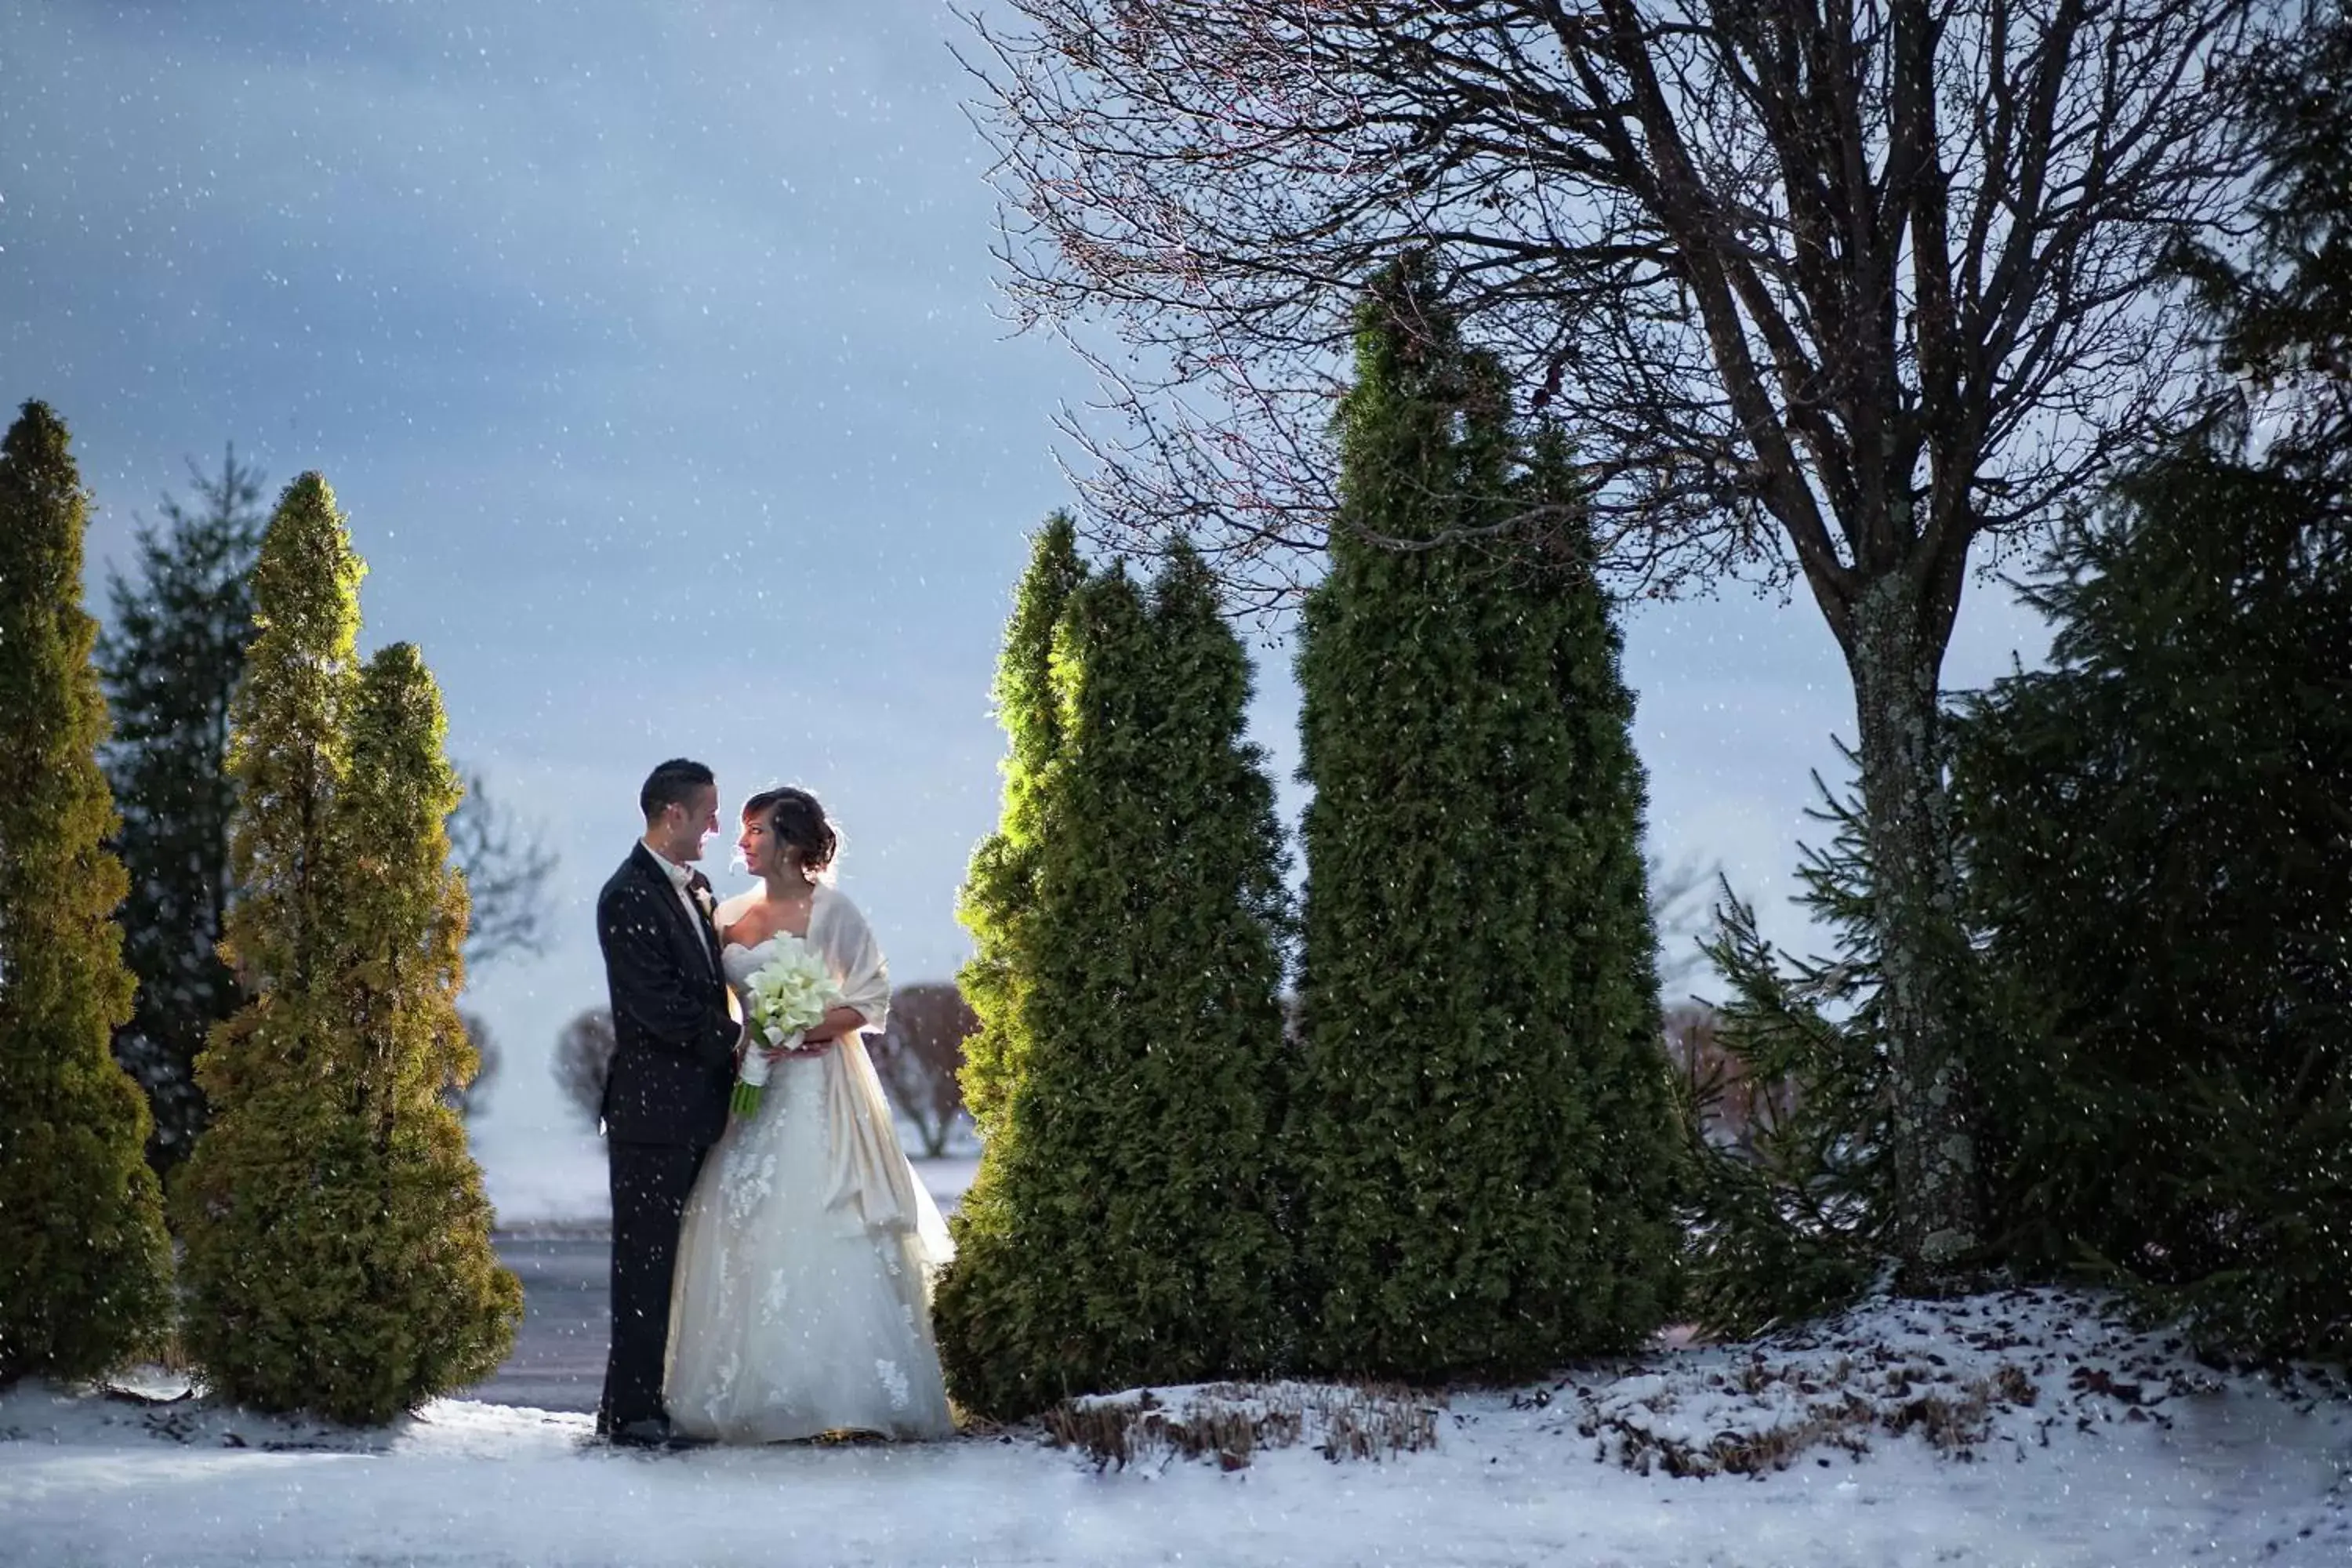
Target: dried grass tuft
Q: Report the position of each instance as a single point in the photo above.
(1232, 1423)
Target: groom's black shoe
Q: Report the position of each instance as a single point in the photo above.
(653, 1432)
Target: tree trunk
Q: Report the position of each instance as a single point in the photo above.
(1895, 654)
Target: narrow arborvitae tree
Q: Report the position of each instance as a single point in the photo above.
(171, 661)
(335, 1240)
(84, 1263)
(1484, 1127)
(997, 905)
(1125, 1230)
(247, 1200)
(998, 890)
(431, 1310)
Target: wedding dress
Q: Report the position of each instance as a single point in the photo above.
(802, 1300)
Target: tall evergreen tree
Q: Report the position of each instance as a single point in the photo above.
(84, 1264)
(1484, 1126)
(998, 890)
(1123, 1229)
(997, 905)
(437, 1311)
(2160, 845)
(336, 1242)
(171, 661)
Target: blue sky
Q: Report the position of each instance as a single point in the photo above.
(651, 349)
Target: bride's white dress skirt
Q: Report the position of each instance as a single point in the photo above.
(801, 1303)
(790, 1319)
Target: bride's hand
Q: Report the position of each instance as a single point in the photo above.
(809, 1049)
(837, 1021)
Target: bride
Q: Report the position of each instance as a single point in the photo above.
(801, 1302)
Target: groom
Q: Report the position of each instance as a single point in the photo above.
(674, 1038)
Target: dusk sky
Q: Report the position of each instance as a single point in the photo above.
(651, 349)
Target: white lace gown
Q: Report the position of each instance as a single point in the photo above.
(802, 1300)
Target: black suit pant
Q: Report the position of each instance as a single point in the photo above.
(651, 1182)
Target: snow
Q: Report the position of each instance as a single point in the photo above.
(2090, 1444)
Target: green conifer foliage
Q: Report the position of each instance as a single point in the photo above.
(1124, 1228)
(996, 905)
(1000, 889)
(444, 1309)
(1484, 1124)
(337, 1248)
(171, 663)
(84, 1263)
(2158, 846)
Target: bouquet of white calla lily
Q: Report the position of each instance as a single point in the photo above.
(787, 996)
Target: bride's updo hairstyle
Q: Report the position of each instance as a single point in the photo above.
(794, 817)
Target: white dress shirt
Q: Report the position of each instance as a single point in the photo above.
(681, 877)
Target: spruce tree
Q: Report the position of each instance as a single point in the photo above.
(1124, 1230)
(1797, 1220)
(84, 1263)
(171, 661)
(1483, 1126)
(335, 1239)
(2287, 313)
(2158, 847)
(2157, 841)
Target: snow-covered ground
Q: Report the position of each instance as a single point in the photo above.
(2010, 1430)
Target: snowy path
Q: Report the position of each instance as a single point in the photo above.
(2210, 1471)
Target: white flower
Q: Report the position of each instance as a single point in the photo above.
(790, 993)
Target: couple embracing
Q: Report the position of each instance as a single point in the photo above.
(771, 1263)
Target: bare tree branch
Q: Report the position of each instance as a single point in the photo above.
(506, 864)
(1833, 290)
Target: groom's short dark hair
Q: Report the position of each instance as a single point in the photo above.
(672, 784)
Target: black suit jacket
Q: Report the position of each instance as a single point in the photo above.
(673, 1039)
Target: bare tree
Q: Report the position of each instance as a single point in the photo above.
(1681, 912)
(1734, 1108)
(583, 1060)
(507, 866)
(920, 1058)
(1824, 291)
